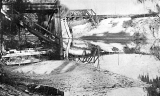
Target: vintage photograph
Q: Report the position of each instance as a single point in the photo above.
(79, 47)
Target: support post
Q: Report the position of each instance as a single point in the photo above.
(58, 32)
(1, 25)
(1, 36)
(61, 52)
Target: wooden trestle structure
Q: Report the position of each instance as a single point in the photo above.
(53, 37)
(51, 8)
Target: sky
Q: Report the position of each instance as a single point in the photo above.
(104, 7)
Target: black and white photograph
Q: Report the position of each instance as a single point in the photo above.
(79, 47)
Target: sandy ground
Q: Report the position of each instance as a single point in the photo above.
(131, 65)
(134, 91)
(79, 79)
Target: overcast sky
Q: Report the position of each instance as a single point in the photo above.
(109, 6)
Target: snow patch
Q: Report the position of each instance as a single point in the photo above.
(111, 25)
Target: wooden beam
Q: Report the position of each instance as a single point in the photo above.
(38, 34)
(33, 7)
(27, 3)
